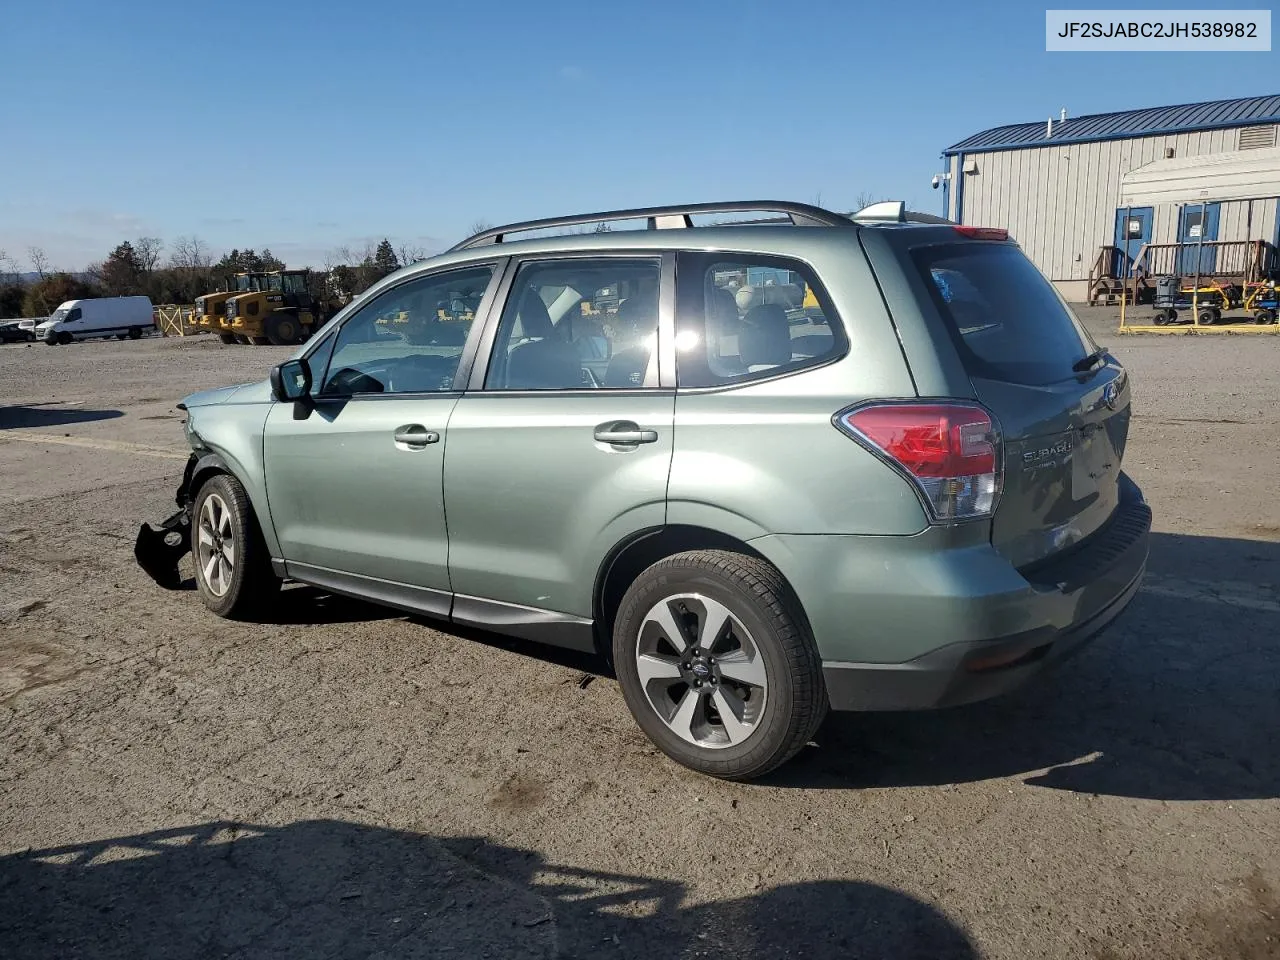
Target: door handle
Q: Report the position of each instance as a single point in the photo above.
(624, 432)
(415, 436)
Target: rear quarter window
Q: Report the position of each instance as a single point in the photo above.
(742, 317)
(1008, 322)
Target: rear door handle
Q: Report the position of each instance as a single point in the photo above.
(415, 436)
(624, 432)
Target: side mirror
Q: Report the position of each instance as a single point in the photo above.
(291, 381)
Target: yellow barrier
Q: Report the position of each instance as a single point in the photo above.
(1192, 328)
(175, 320)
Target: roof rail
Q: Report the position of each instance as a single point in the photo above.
(798, 214)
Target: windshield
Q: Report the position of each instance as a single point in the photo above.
(243, 284)
(59, 314)
(1008, 320)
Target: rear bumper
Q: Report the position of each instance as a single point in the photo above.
(1097, 581)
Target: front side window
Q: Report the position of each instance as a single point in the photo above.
(742, 318)
(578, 324)
(74, 314)
(405, 340)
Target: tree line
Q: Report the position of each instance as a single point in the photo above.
(139, 267)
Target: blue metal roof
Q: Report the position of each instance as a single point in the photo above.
(1126, 123)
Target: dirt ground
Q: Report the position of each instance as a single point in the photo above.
(348, 782)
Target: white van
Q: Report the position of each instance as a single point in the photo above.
(101, 317)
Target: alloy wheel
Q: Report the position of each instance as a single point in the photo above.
(701, 671)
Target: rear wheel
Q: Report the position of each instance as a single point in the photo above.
(233, 571)
(1264, 316)
(717, 665)
(227, 338)
(135, 333)
(282, 329)
(1161, 318)
(1206, 317)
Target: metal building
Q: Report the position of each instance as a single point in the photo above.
(1106, 201)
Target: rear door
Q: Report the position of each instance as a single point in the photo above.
(1064, 422)
(561, 447)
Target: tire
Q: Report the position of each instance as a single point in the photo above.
(283, 329)
(1161, 318)
(1206, 317)
(65, 338)
(775, 680)
(227, 338)
(237, 583)
(1263, 316)
(135, 333)
(259, 341)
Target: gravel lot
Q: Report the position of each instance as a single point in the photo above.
(348, 782)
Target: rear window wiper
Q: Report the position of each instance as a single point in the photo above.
(1086, 363)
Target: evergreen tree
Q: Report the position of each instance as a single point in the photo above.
(122, 272)
(385, 260)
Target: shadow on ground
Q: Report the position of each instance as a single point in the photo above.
(1178, 701)
(333, 889)
(20, 416)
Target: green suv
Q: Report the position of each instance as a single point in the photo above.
(792, 461)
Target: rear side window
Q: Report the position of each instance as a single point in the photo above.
(1007, 320)
(741, 318)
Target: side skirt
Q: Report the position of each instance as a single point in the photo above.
(510, 619)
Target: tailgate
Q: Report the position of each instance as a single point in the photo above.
(1062, 405)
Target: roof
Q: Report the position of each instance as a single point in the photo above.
(1208, 178)
(1212, 115)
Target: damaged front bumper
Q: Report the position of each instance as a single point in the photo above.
(158, 549)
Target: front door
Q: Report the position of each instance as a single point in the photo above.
(562, 448)
(1197, 224)
(1133, 229)
(355, 480)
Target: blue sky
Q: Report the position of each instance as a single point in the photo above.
(306, 126)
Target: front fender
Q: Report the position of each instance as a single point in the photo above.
(228, 438)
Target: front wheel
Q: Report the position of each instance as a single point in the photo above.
(717, 665)
(233, 571)
(282, 329)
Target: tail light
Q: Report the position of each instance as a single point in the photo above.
(951, 452)
(982, 233)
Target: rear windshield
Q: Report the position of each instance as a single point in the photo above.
(1007, 319)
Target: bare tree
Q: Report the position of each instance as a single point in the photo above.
(480, 226)
(191, 253)
(865, 199)
(409, 253)
(148, 251)
(39, 260)
(342, 256)
(8, 268)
